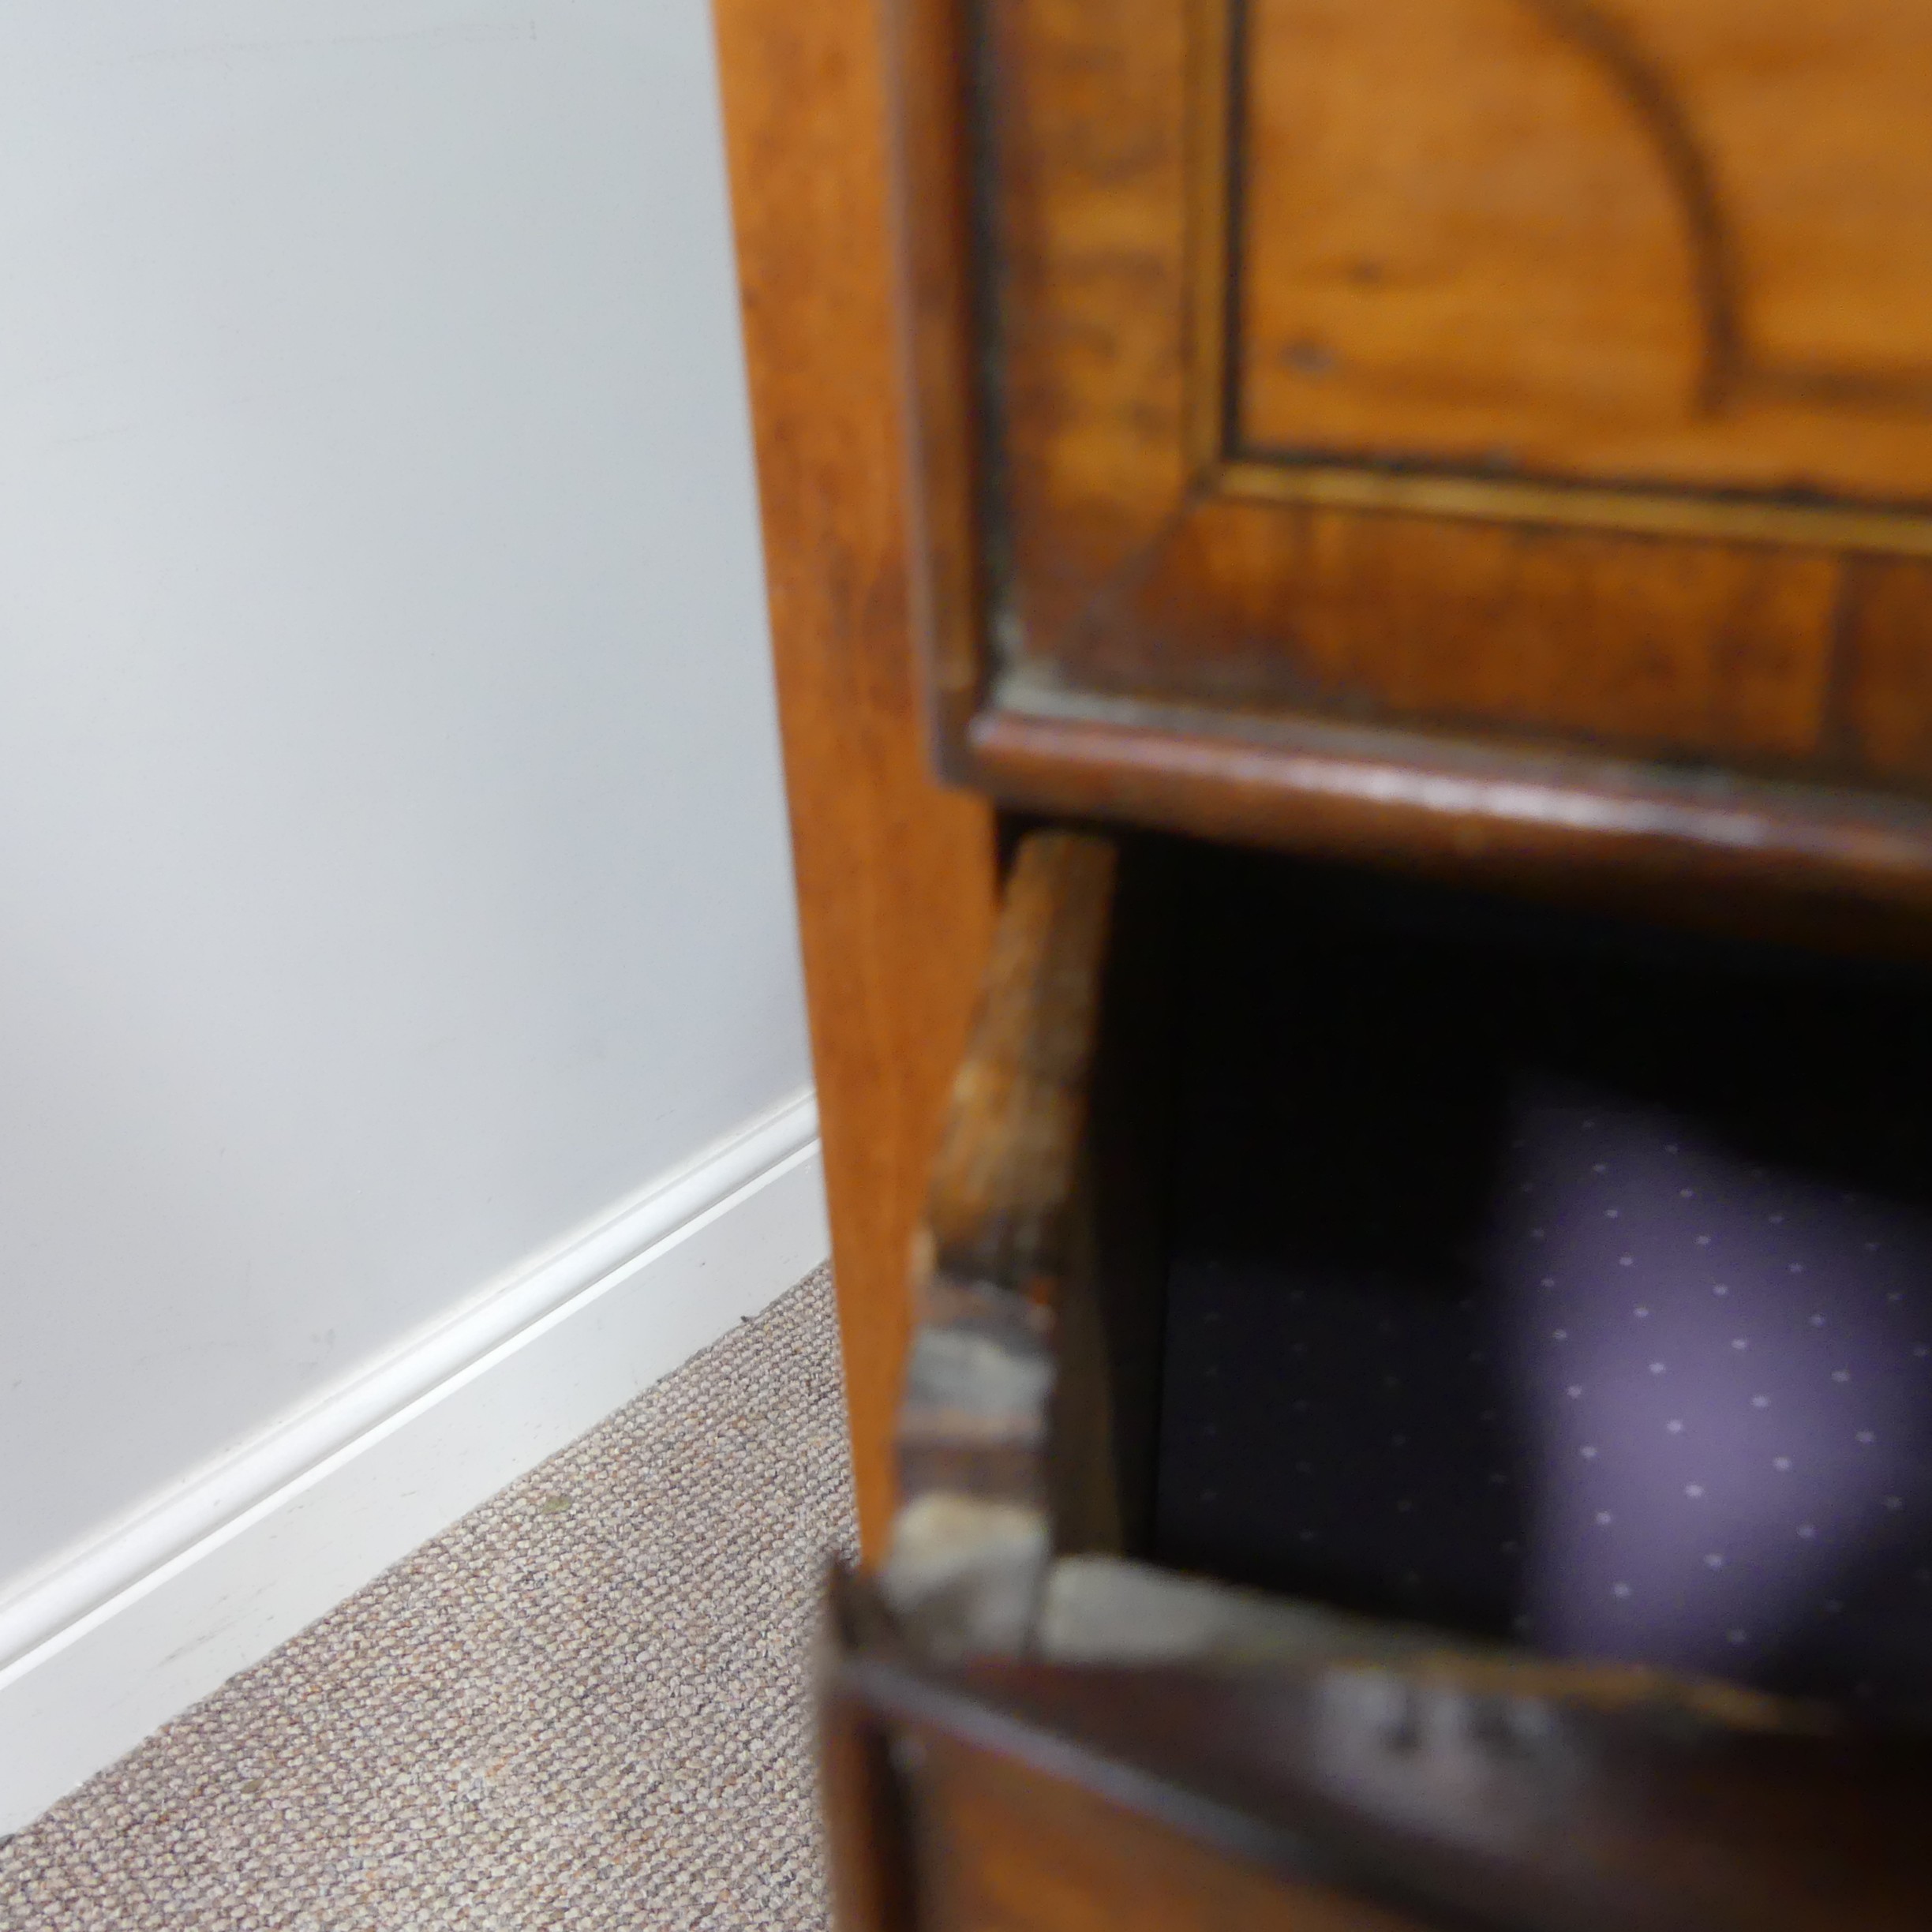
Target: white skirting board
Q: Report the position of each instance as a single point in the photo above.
(98, 1650)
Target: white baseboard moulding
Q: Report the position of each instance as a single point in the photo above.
(99, 1647)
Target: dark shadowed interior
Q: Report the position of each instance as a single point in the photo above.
(1550, 1278)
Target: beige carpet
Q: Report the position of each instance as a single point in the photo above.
(583, 1707)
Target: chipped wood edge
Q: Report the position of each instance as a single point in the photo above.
(973, 1532)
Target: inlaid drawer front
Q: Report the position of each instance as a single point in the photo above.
(1669, 247)
(1550, 375)
(1562, 266)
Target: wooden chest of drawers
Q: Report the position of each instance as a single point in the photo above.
(1486, 445)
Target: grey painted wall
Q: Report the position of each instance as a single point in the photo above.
(392, 866)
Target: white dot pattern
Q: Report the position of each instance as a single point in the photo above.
(1707, 1494)
(1691, 1479)
(1514, 1201)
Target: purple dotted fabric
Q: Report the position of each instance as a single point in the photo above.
(1547, 1292)
(1725, 1372)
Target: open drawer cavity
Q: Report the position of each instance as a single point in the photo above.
(1432, 1264)
(1417, 1416)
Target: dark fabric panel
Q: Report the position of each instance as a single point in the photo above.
(1545, 1278)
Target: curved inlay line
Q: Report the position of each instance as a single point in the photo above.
(1729, 366)
(1729, 369)
(1646, 90)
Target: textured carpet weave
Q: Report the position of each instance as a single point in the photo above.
(584, 1706)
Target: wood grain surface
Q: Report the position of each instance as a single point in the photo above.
(895, 879)
(1842, 870)
(1671, 241)
(1383, 174)
(1000, 1232)
(1009, 1845)
(1064, 1797)
(1527, 376)
(1003, 1181)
